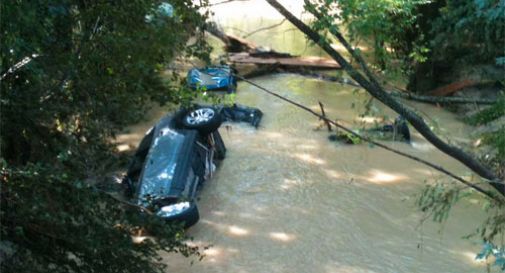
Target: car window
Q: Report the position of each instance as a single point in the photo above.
(161, 163)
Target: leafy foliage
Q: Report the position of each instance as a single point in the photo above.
(437, 200)
(496, 137)
(404, 33)
(475, 29)
(487, 115)
(385, 26)
(498, 253)
(61, 224)
(72, 74)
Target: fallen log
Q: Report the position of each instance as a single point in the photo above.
(261, 71)
(452, 88)
(377, 91)
(403, 95)
(367, 139)
(311, 61)
(242, 51)
(232, 43)
(441, 100)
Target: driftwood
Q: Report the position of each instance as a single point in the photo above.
(271, 61)
(440, 100)
(452, 88)
(231, 42)
(242, 51)
(401, 94)
(276, 68)
(262, 70)
(312, 62)
(368, 82)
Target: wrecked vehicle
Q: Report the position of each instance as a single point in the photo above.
(213, 78)
(241, 113)
(398, 131)
(173, 161)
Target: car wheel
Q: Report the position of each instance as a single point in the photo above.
(203, 119)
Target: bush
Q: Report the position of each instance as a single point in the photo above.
(73, 73)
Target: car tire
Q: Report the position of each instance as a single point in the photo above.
(203, 119)
(220, 149)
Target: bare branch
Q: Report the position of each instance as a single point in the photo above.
(434, 99)
(265, 28)
(364, 138)
(226, 2)
(343, 41)
(377, 91)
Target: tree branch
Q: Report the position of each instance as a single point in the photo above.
(265, 28)
(433, 99)
(225, 2)
(401, 94)
(334, 31)
(379, 93)
(364, 138)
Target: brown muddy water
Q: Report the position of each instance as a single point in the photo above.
(286, 199)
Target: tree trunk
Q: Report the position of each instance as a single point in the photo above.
(374, 89)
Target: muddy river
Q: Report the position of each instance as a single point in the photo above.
(286, 199)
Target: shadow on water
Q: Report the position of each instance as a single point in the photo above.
(287, 200)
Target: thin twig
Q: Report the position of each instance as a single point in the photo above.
(434, 99)
(427, 163)
(265, 28)
(225, 2)
(377, 91)
(324, 115)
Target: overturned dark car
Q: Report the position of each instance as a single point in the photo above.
(241, 113)
(173, 160)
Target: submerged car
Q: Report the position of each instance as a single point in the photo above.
(398, 131)
(241, 113)
(217, 78)
(173, 161)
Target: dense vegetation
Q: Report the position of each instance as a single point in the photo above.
(73, 73)
(427, 40)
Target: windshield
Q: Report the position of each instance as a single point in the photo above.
(160, 164)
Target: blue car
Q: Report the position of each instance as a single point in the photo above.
(215, 78)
